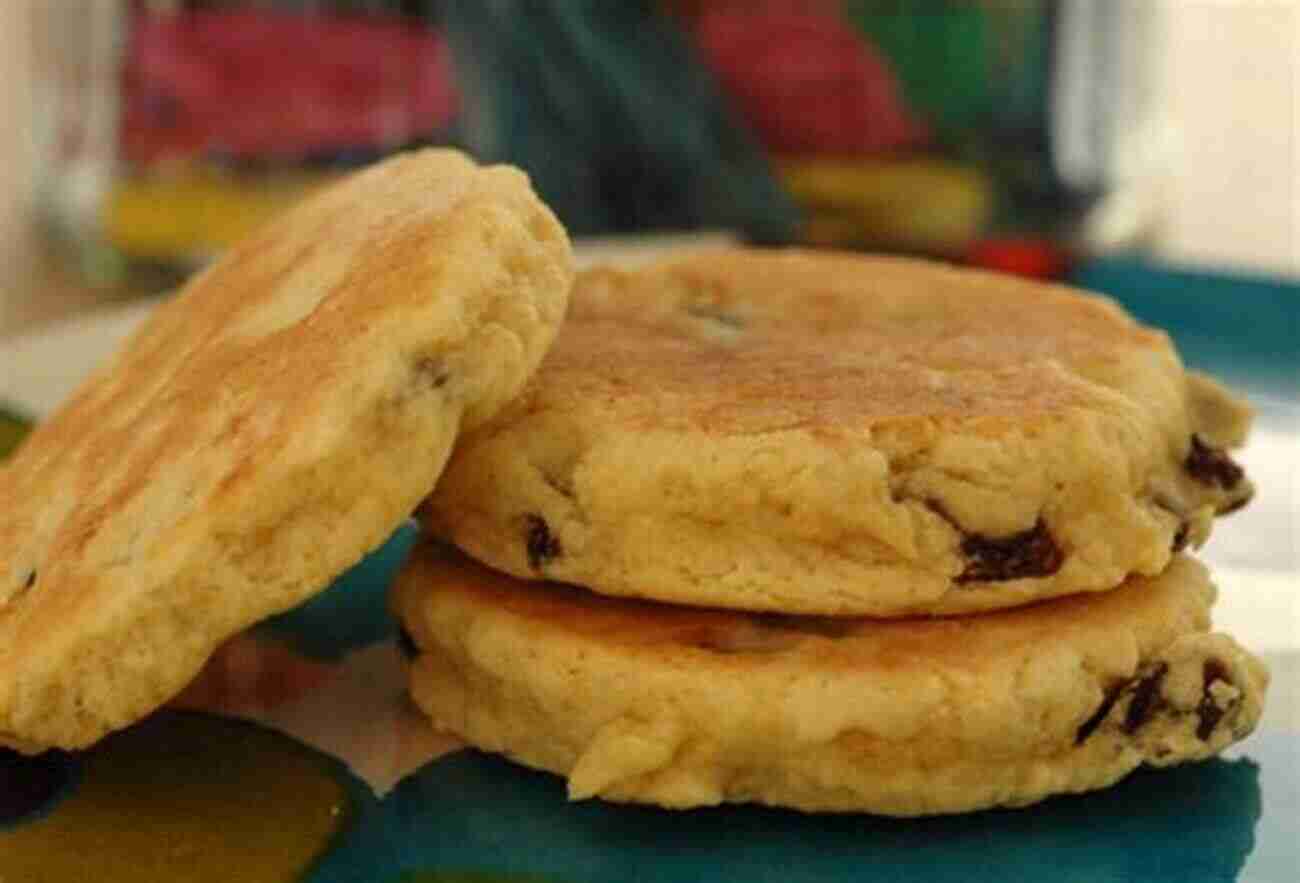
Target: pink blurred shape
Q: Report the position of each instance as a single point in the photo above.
(258, 83)
(806, 80)
(249, 674)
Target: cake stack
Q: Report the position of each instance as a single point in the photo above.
(836, 533)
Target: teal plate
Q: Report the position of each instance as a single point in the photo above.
(479, 816)
(1243, 328)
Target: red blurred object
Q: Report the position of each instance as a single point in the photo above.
(258, 83)
(1030, 257)
(807, 81)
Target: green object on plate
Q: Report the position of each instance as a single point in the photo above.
(186, 798)
(13, 429)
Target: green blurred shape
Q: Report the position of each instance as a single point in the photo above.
(13, 429)
(940, 53)
(971, 69)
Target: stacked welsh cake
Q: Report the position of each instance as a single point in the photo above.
(836, 533)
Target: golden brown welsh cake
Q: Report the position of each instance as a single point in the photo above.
(269, 425)
(648, 702)
(831, 434)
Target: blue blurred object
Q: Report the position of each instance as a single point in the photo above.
(610, 112)
(471, 813)
(31, 787)
(353, 612)
(1245, 329)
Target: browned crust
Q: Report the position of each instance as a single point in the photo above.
(265, 428)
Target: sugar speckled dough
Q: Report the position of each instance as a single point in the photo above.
(644, 702)
(830, 434)
(265, 428)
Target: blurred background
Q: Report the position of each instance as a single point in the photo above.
(1146, 149)
(1033, 136)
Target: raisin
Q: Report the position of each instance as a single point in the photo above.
(406, 644)
(28, 784)
(1146, 698)
(1088, 727)
(30, 581)
(542, 546)
(1181, 536)
(1210, 465)
(1209, 711)
(1145, 693)
(1029, 553)
(432, 372)
(1210, 715)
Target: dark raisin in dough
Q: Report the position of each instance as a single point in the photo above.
(542, 547)
(1030, 553)
(1146, 698)
(1208, 711)
(432, 372)
(1088, 727)
(1210, 465)
(407, 644)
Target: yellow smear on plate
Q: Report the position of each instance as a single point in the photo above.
(185, 798)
